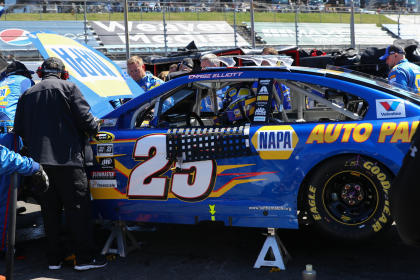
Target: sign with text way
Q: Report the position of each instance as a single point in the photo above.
(149, 34)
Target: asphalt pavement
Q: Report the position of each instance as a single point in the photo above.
(212, 251)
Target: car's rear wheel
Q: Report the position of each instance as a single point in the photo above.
(348, 197)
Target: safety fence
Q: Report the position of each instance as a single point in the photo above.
(162, 26)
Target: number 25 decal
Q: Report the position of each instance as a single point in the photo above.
(193, 182)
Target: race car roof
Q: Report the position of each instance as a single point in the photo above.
(248, 73)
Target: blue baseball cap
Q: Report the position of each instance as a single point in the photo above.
(391, 50)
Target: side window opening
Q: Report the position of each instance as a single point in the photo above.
(227, 103)
(315, 103)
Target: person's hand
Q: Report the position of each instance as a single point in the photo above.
(40, 180)
(99, 122)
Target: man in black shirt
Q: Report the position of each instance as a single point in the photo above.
(54, 120)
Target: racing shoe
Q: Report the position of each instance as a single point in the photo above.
(96, 262)
(55, 266)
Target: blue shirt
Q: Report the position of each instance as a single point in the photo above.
(149, 82)
(11, 88)
(405, 75)
(2, 10)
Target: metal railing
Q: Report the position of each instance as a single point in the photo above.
(235, 13)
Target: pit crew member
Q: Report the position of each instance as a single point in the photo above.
(137, 71)
(16, 80)
(13, 162)
(403, 74)
(54, 121)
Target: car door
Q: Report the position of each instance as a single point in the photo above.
(172, 169)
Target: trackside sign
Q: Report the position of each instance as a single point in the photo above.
(180, 33)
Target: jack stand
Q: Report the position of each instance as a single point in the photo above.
(120, 233)
(278, 252)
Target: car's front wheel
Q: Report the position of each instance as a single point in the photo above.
(348, 197)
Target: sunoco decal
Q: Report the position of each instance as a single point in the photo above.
(390, 108)
(275, 142)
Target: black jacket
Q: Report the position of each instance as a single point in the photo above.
(54, 121)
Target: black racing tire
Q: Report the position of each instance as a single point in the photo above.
(347, 197)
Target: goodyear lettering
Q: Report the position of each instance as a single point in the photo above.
(83, 62)
(379, 175)
(377, 226)
(312, 204)
(394, 133)
(376, 170)
(275, 140)
(357, 132)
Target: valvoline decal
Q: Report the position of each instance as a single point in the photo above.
(275, 142)
(84, 64)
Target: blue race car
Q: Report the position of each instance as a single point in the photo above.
(327, 160)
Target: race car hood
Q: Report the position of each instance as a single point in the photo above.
(99, 79)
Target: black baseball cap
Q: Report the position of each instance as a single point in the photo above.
(18, 68)
(391, 50)
(188, 62)
(54, 64)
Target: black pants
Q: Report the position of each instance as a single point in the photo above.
(68, 189)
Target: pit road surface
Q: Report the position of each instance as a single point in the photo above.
(215, 252)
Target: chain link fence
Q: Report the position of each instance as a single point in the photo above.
(294, 18)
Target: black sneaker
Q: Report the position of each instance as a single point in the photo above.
(55, 266)
(94, 263)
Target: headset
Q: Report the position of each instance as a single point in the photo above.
(42, 71)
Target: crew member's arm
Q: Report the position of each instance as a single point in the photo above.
(13, 162)
(81, 111)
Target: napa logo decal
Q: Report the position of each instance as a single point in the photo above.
(275, 142)
(84, 64)
(390, 108)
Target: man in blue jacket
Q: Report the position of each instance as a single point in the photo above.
(16, 80)
(403, 74)
(137, 71)
(13, 162)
